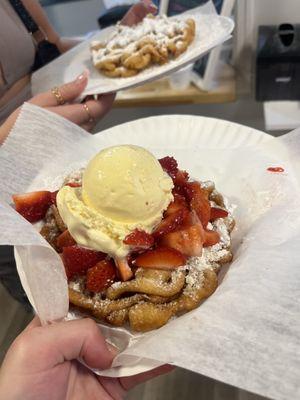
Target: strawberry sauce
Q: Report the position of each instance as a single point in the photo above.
(275, 169)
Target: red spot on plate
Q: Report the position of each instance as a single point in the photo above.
(275, 169)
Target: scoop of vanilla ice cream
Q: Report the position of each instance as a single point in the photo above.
(123, 188)
(125, 183)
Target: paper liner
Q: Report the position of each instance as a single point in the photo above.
(247, 333)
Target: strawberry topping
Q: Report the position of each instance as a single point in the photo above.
(211, 238)
(188, 241)
(199, 201)
(65, 239)
(33, 206)
(124, 269)
(170, 223)
(217, 212)
(170, 165)
(100, 276)
(181, 178)
(178, 204)
(161, 258)
(139, 239)
(73, 184)
(77, 260)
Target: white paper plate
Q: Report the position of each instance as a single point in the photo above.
(183, 132)
(226, 329)
(189, 139)
(211, 30)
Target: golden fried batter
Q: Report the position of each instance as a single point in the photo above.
(160, 283)
(147, 316)
(149, 312)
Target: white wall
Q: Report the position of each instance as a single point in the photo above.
(276, 11)
(76, 18)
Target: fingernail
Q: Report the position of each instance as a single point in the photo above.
(83, 76)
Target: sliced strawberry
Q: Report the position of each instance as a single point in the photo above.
(170, 165)
(211, 238)
(124, 269)
(188, 241)
(217, 212)
(181, 178)
(77, 260)
(73, 184)
(33, 206)
(178, 204)
(170, 223)
(161, 258)
(198, 201)
(180, 181)
(53, 197)
(192, 219)
(100, 276)
(139, 239)
(64, 240)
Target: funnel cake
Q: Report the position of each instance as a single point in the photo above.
(167, 271)
(155, 40)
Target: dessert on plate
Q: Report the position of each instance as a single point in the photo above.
(141, 242)
(155, 40)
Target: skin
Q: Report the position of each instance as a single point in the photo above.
(42, 364)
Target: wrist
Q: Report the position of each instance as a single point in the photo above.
(53, 37)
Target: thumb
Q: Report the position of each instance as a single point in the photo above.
(59, 342)
(66, 93)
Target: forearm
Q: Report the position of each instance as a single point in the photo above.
(7, 125)
(37, 13)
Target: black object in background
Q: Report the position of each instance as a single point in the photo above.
(112, 16)
(278, 63)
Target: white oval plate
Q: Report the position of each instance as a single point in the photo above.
(211, 30)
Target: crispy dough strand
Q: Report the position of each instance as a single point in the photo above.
(158, 286)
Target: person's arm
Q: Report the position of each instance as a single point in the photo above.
(39, 16)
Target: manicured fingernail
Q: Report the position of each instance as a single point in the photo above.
(83, 76)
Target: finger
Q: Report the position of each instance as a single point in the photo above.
(129, 382)
(65, 341)
(69, 92)
(78, 114)
(89, 126)
(137, 13)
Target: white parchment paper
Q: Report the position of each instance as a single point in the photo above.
(247, 333)
(211, 30)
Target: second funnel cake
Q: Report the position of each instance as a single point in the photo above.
(156, 40)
